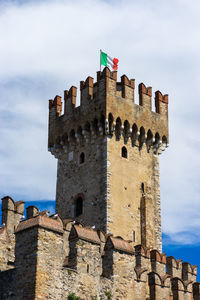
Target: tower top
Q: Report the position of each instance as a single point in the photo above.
(104, 102)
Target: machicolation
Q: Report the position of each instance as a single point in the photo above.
(92, 118)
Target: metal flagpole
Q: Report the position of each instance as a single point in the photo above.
(100, 60)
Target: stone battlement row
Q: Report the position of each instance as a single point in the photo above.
(107, 85)
(107, 107)
(76, 232)
(73, 255)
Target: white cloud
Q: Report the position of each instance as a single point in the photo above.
(50, 45)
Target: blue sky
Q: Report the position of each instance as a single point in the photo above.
(47, 46)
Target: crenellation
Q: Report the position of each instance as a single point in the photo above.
(158, 262)
(56, 104)
(70, 100)
(181, 290)
(142, 255)
(145, 94)
(84, 250)
(106, 73)
(12, 213)
(189, 272)
(19, 207)
(31, 211)
(118, 258)
(105, 94)
(86, 89)
(127, 88)
(160, 287)
(174, 267)
(161, 103)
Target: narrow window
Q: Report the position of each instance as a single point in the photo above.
(78, 207)
(88, 268)
(82, 158)
(142, 187)
(124, 152)
(133, 236)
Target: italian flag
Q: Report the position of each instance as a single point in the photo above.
(109, 62)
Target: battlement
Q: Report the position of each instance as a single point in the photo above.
(67, 249)
(106, 85)
(12, 212)
(8, 204)
(107, 108)
(155, 261)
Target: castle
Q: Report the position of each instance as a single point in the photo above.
(104, 241)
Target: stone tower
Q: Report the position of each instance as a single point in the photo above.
(108, 177)
(107, 150)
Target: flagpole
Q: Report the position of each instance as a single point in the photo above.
(100, 60)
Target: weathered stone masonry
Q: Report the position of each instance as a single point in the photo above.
(111, 186)
(55, 257)
(104, 241)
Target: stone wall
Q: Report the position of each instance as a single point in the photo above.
(120, 195)
(104, 242)
(55, 257)
(75, 179)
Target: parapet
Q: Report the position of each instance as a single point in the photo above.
(119, 244)
(158, 262)
(78, 232)
(9, 204)
(140, 250)
(161, 102)
(189, 272)
(145, 94)
(107, 107)
(42, 221)
(31, 211)
(12, 213)
(174, 267)
(56, 105)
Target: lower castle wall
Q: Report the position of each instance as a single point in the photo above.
(54, 258)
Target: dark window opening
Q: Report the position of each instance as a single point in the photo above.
(88, 268)
(78, 207)
(118, 129)
(133, 236)
(142, 187)
(124, 152)
(110, 122)
(82, 158)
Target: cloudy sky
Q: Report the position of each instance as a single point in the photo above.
(47, 46)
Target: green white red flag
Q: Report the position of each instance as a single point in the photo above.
(108, 61)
